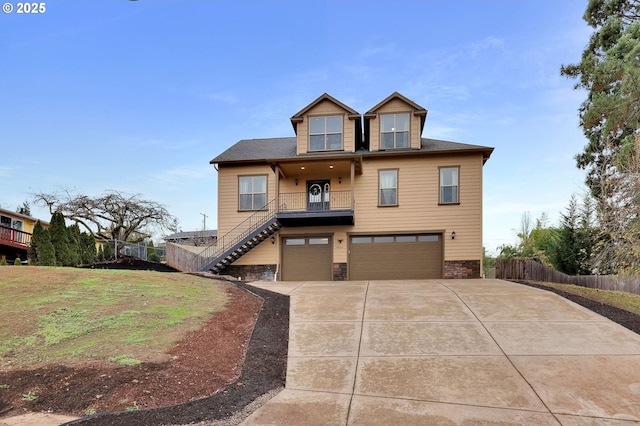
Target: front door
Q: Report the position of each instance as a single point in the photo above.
(318, 194)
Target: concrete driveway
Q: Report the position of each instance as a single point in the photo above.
(446, 352)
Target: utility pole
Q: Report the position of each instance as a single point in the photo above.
(204, 221)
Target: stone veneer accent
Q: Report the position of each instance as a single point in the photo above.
(251, 272)
(339, 271)
(462, 269)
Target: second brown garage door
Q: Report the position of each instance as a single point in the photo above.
(390, 257)
(307, 259)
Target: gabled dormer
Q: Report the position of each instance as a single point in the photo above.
(396, 123)
(327, 125)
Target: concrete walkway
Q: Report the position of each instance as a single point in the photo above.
(446, 352)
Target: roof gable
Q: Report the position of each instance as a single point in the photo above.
(299, 116)
(417, 109)
(396, 95)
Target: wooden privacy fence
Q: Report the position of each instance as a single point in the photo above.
(527, 269)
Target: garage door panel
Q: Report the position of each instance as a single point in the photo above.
(307, 259)
(404, 258)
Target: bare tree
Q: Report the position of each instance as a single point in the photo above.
(112, 215)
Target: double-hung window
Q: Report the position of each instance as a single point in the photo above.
(252, 192)
(449, 187)
(325, 133)
(394, 131)
(388, 184)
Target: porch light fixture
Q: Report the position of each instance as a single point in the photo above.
(339, 180)
(273, 240)
(453, 235)
(331, 166)
(301, 167)
(296, 181)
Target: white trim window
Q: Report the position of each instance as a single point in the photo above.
(388, 184)
(449, 187)
(394, 131)
(252, 192)
(325, 133)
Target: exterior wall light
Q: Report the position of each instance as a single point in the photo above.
(273, 240)
(296, 181)
(453, 235)
(339, 180)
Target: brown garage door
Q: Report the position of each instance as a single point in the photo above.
(386, 257)
(306, 259)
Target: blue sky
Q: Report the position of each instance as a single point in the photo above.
(139, 96)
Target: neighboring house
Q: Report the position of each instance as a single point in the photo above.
(15, 234)
(351, 196)
(193, 238)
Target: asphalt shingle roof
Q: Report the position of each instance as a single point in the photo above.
(255, 150)
(210, 233)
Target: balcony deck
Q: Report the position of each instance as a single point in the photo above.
(14, 238)
(301, 209)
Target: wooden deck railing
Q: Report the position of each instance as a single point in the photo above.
(14, 237)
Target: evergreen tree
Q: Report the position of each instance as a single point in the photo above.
(75, 250)
(60, 240)
(46, 251)
(87, 249)
(152, 254)
(107, 251)
(36, 238)
(610, 72)
(24, 209)
(573, 251)
(564, 256)
(610, 118)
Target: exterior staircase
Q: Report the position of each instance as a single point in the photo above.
(239, 241)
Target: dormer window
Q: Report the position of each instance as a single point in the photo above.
(325, 133)
(394, 131)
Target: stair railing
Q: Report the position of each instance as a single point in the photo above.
(243, 230)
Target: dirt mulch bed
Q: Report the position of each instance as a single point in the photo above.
(132, 263)
(218, 370)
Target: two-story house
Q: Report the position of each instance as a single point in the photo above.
(15, 234)
(351, 196)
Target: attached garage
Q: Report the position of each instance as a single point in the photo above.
(307, 259)
(386, 257)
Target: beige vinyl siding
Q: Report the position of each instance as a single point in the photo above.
(265, 254)
(395, 106)
(326, 108)
(418, 209)
(228, 214)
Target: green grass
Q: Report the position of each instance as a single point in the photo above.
(627, 301)
(68, 315)
(124, 360)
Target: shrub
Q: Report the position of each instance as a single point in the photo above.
(17, 262)
(3, 261)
